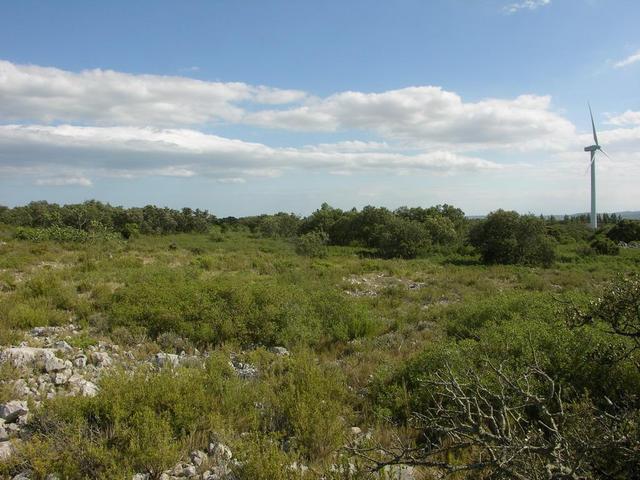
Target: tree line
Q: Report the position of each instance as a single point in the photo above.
(406, 232)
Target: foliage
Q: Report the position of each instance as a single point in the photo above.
(399, 238)
(312, 244)
(625, 231)
(604, 246)
(509, 238)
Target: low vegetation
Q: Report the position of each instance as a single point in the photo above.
(344, 345)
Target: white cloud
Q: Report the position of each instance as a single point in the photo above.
(630, 60)
(235, 180)
(136, 151)
(430, 116)
(526, 5)
(105, 97)
(627, 118)
(64, 181)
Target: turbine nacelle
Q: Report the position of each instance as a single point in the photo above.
(592, 148)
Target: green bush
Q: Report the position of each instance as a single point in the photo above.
(400, 238)
(312, 244)
(625, 231)
(604, 246)
(509, 238)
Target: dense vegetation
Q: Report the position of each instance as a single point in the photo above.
(497, 348)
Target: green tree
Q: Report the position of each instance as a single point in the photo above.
(509, 238)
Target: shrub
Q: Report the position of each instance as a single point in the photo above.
(625, 231)
(401, 238)
(509, 238)
(604, 246)
(312, 244)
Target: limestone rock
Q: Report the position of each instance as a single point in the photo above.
(101, 359)
(6, 450)
(280, 351)
(54, 364)
(10, 411)
(198, 457)
(220, 453)
(166, 359)
(22, 357)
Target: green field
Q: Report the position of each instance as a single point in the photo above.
(373, 343)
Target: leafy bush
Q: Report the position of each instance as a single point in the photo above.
(312, 244)
(401, 238)
(509, 238)
(625, 231)
(604, 246)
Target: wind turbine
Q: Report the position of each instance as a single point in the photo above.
(593, 149)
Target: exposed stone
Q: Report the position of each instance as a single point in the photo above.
(54, 364)
(355, 431)
(219, 452)
(244, 370)
(399, 472)
(198, 457)
(189, 471)
(60, 378)
(10, 411)
(21, 357)
(166, 359)
(140, 476)
(100, 359)
(281, 351)
(6, 450)
(80, 361)
(3, 434)
(81, 386)
(22, 476)
(62, 345)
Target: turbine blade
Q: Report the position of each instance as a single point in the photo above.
(605, 154)
(593, 126)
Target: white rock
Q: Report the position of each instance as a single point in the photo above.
(189, 471)
(54, 364)
(101, 359)
(80, 361)
(62, 345)
(22, 476)
(140, 476)
(21, 357)
(4, 436)
(6, 450)
(166, 359)
(219, 452)
(81, 386)
(281, 351)
(21, 388)
(10, 411)
(198, 457)
(60, 378)
(355, 430)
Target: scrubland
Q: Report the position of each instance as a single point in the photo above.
(439, 362)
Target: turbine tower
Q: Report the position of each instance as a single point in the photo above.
(593, 149)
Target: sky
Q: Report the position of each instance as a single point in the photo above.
(246, 107)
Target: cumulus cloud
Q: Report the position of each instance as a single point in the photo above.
(630, 60)
(627, 118)
(132, 151)
(64, 181)
(526, 5)
(427, 116)
(105, 97)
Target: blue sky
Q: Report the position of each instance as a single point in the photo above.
(245, 107)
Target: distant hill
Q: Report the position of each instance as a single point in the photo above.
(628, 214)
